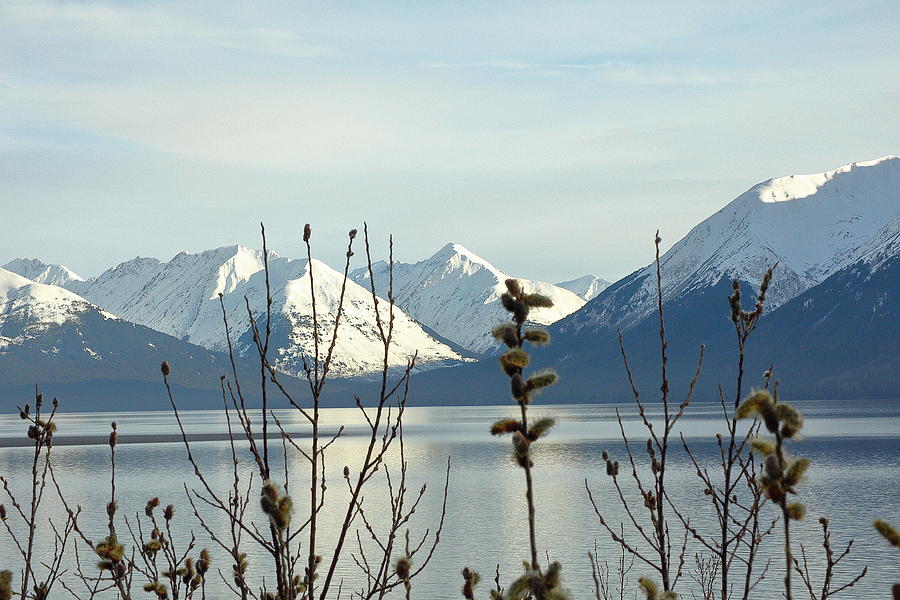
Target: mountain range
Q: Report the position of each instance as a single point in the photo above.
(830, 326)
(71, 347)
(181, 297)
(457, 294)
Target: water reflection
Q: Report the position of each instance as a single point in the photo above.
(853, 479)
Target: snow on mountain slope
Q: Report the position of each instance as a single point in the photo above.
(811, 225)
(28, 308)
(359, 349)
(169, 297)
(41, 272)
(881, 247)
(40, 304)
(49, 335)
(115, 286)
(587, 287)
(457, 294)
(181, 298)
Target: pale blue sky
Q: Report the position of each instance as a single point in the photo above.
(550, 138)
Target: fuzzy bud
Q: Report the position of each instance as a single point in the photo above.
(277, 508)
(772, 467)
(763, 447)
(521, 447)
(541, 380)
(540, 427)
(795, 511)
(515, 289)
(517, 387)
(506, 333)
(791, 420)
(516, 358)
(888, 532)
(796, 471)
(471, 579)
(648, 586)
(753, 404)
(505, 426)
(403, 567)
(770, 418)
(538, 337)
(204, 562)
(164, 367)
(6, 592)
(537, 301)
(151, 504)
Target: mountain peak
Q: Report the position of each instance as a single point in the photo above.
(451, 249)
(587, 286)
(456, 293)
(810, 225)
(796, 187)
(38, 271)
(222, 252)
(43, 303)
(458, 255)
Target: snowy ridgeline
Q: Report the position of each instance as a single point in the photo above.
(811, 225)
(181, 298)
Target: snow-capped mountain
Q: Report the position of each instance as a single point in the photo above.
(51, 336)
(837, 237)
(28, 308)
(41, 272)
(181, 297)
(880, 247)
(811, 225)
(170, 296)
(587, 287)
(456, 293)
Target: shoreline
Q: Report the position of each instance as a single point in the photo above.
(156, 438)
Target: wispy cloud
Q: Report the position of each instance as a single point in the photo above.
(629, 72)
(562, 108)
(506, 65)
(151, 25)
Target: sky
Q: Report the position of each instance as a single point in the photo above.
(550, 138)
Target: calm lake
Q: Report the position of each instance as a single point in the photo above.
(854, 478)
